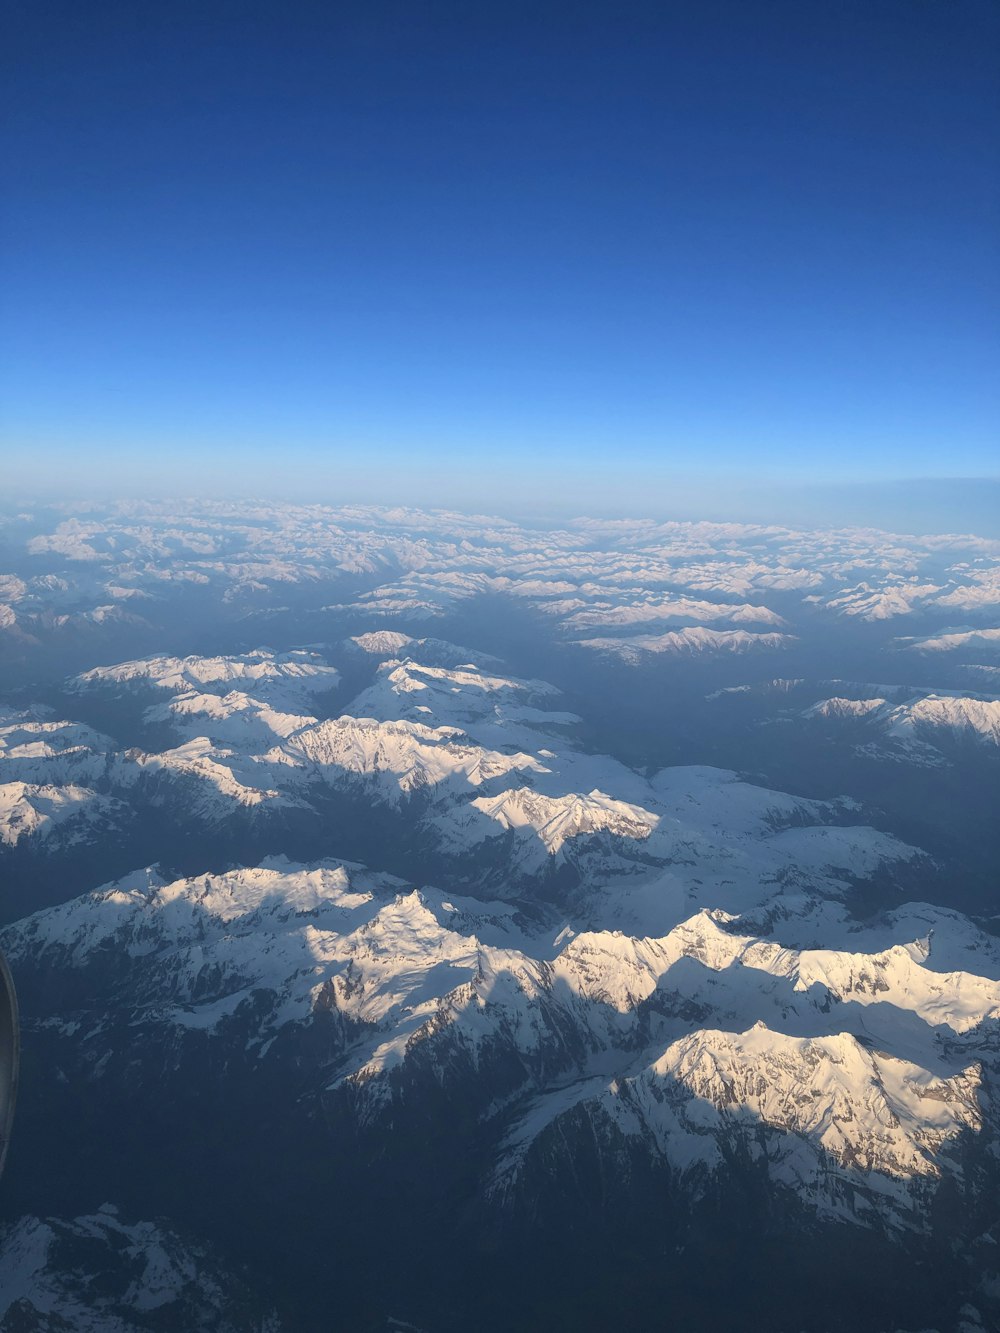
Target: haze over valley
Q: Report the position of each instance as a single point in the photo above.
(642, 874)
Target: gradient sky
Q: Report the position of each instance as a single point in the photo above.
(383, 241)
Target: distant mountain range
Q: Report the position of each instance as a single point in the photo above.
(364, 970)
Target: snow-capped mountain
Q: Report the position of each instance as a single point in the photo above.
(281, 680)
(634, 648)
(127, 571)
(483, 768)
(35, 746)
(100, 1274)
(67, 811)
(919, 727)
(720, 1018)
(950, 640)
(589, 945)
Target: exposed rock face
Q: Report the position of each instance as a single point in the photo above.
(365, 965)
(99, 1274)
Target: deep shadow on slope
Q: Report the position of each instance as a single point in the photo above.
(346, 1224)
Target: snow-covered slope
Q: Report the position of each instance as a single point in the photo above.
(937, 714)
(552, 820)
(692, 642)
(864, 1064)
(400, 757)
(870, 603)
(282, 680)
(36, 746)
(100, 1274)
(235, 718)
(604, 1011)
(823, 1103)
(29, 810)
(922, 722)
(491, 709)
(950, 640)
(481, 766)
(240, 748)
(387, 645)
(590, 575)
(677, 610)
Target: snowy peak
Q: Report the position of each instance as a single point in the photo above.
(387, 645)
(234, 718)
(874, 1114)
(36, 747)
(458, 696)
(923, 721)
(845, 709)
(976, 719)
(404, 756)
(283, 680)
(384, 643)
(100, 1274)
(607, 613)
(863, 1065)
(30, 810)
(949, 640)
(554, 819)
(695, 641)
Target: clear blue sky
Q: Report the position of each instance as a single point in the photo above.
(371, 240)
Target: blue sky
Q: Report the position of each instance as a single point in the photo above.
(388, 246)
